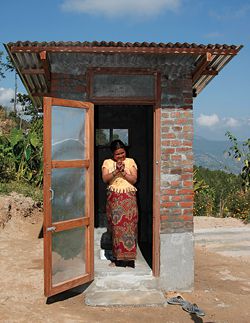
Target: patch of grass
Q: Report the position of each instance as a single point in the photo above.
(22, 188)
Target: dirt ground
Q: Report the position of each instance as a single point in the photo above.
(222, 284)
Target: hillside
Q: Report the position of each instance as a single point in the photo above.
(212, 154)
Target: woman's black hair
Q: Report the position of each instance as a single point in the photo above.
(116, 144)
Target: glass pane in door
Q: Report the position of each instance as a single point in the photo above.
(68, 126)
(68, 193)
(68, 255)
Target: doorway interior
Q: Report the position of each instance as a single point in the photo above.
(133, 124)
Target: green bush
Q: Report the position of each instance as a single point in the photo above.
(238, 205)
(7, 161)
(219, 194)
(204, 202)
(21, 154)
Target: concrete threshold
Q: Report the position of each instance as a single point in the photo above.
(119, 286)
(126, 298)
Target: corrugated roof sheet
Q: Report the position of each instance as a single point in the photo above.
(120, 44)
(27, 59)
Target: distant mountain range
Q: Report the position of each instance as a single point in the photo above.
(213, 154)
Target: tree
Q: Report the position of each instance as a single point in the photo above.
(241, 153)
(11, 68)
(2, 66)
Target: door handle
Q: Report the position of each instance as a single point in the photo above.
(52, 194)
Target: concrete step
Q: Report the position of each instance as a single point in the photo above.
(122, 286)
(126, 282)
(125, 298)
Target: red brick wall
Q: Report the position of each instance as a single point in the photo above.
(176, 203)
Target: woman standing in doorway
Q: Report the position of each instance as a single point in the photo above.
(120, 174)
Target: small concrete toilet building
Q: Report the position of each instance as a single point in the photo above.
(142, 93)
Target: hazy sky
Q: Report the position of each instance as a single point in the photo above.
(223, 105)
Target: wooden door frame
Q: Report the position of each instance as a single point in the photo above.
(88, 221)
(156, 103)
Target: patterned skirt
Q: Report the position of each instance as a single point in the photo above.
(122, 213)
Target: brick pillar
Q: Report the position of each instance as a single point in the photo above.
(176, 203)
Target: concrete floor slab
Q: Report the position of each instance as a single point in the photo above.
(119, 286)
(125, 298)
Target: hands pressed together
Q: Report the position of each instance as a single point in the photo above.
(120, 167)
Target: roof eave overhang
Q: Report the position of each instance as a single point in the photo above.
(129, 50)
(211, 60)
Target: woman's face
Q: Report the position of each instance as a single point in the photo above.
(119, 155)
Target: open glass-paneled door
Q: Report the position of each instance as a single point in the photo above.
(68, 194)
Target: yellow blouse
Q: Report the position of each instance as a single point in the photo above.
(119, 184)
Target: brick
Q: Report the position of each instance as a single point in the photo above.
(169, 192)
(168, 150)
(167, 122)
(175, 183)
(165, 129)
(188, 211)
(177, 128)
(166, 143)
(170, 135)
(169, 204)
(188, 135)
(184, 149)
(189, 197)
(188, 100)
(165, 114)
(187, 107)
(188, 183)
(176, 157)
(175, 212)
(187, 176)
(167, 107)
(175, 114)
(165, 198)
(175, 143)
(176, 198)
(175, 100)
(184, 121)
(186, 204)
(176, 171)
(187, 95)
(185, 191)
(188, 128)
(187, 143)
(187, 170)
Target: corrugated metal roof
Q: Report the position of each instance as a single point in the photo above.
(206, 61)
(121, 44)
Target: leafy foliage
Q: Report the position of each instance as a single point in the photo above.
(21, 154)
(20, 141)
(241, 154)
(27, 106)
(220, 194)
(2, 66)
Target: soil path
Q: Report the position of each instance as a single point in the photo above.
(222, 284)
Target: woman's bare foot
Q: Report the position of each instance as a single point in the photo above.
(112, 264)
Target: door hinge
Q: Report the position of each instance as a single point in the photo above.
(51, 229)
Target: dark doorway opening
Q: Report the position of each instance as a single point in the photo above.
(133, 124)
